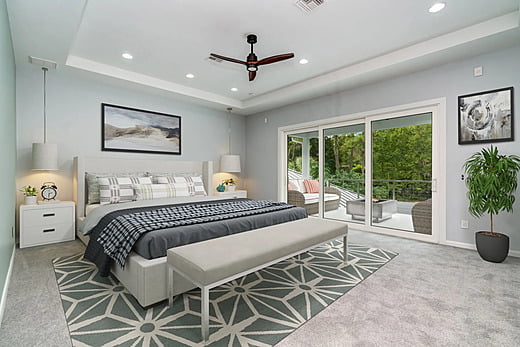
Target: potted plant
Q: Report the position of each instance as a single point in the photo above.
(30, 193)
(491, 179)
(230, 183)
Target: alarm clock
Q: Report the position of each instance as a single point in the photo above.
(49, 191)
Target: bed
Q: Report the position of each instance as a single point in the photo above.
(146, 279)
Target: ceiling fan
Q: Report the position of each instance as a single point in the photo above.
(252, 63)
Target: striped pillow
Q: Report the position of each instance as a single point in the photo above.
(113, 190)
(91, 180)
(195, 183)
(311, 186)
(158, 191)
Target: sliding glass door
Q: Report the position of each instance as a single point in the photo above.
(344, 172)
(402, 173)
(377, 173)
(302, 164)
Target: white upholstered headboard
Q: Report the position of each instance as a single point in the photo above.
(83, 165)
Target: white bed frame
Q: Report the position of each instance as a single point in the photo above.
(145, 279)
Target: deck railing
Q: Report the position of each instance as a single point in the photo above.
(401, 190)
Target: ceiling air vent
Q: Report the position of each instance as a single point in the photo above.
(309, 5)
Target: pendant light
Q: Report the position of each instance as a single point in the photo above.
(44, 155)
(229, 162)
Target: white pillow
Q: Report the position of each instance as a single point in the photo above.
(157, 191)
(195, 183)
(113, 190)
(91, 180)
(298, 184)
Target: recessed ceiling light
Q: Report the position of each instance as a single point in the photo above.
(234, 89)
(127, 55)
(437, 7)
(303, 61)
(190, 75)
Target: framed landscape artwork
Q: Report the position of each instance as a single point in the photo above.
(486, 116)
(128, 129)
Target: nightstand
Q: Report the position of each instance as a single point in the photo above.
(46, 223)
(235, 194)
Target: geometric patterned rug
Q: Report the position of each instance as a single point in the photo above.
(259, 309)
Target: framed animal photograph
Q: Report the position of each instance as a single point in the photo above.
(486, 116)
(128, 129)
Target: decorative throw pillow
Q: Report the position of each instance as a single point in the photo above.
(311, 186)
(194, 183)
(93, 185)
(196, 186)
(301, 186)
(156, 175)
(293, 185)
(113, 190)
(157, 191)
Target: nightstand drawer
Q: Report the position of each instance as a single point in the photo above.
(47, 216)
(40, 235)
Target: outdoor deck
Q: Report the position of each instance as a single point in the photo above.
(400, 221)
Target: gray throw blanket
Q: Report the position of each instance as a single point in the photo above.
(120, 235)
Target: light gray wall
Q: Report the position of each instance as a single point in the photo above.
(8, 145)
(74, 122)
(501, 69)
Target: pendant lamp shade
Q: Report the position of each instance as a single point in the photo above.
(44, 156)
(230, 163)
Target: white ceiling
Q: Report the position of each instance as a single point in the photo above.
(347, 43)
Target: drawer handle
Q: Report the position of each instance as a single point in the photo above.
(48, 230)
(49, 214)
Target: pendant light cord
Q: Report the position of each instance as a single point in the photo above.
(44, 104)
(229, 129)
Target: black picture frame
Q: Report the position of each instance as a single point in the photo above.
(486, 116)
(127, 129)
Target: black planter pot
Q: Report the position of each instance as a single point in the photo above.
(493, 248)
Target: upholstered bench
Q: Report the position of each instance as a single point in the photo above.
(211, 263)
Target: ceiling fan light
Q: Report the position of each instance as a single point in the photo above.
(252, 68)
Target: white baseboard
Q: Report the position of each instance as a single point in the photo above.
(515, 254)
(6, 285)
(471, 246)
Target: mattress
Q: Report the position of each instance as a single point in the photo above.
(89, 208)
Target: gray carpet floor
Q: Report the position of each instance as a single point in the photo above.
(429, 295)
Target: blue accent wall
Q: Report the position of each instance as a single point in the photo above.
(7, 144)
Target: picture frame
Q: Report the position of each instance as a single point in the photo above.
(126, 129)
(486, 116)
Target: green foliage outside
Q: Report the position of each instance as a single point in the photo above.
(398, 154)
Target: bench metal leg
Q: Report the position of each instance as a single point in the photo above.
(204, 295)
(170, 285)
(345, 249)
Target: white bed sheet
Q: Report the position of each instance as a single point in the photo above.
(95, 214)
(89, 208)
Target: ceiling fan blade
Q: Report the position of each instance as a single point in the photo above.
(228, 59)
(275, 58)
(252, 75)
